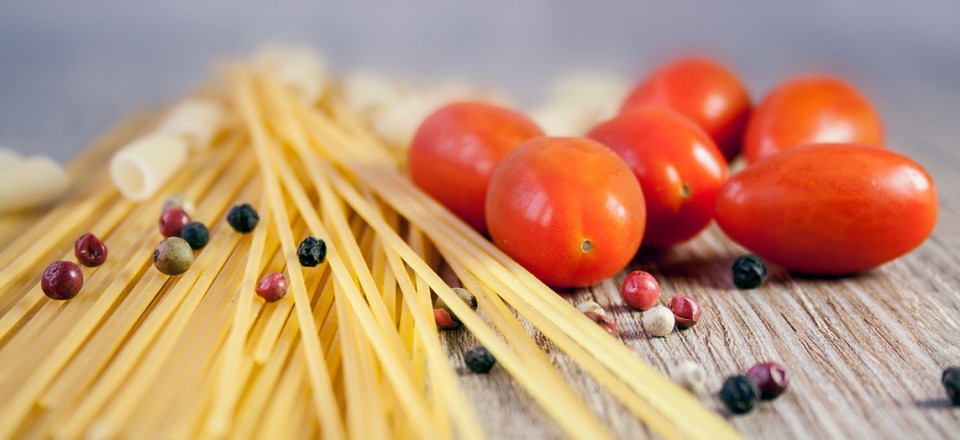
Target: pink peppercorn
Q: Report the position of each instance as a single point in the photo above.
(172, 222)
(61, 280)
(640, 290)
(444, 320)
(603, 321)
(686, 311)
(771, 378)
(90, 251)
(272, 287)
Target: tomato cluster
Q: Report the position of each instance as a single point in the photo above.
(819, 193)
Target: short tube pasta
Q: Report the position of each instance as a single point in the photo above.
(196, 120)
(141, 167)
(9, 156)
(298, 68)
(29, 182)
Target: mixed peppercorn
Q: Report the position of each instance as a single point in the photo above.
(196, 234)
(312, 251)
(479, 360)
(951, 383)
(90, 251)
(61, 280)
(243, 218)
(749, 272)
(272, 287)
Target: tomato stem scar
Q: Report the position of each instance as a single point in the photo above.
(685, 190)
(586, 246)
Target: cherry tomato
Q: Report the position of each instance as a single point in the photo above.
(567, 209)
(704, 91)
(677, 165)
(456, 148)
(829, 209)
(811, 109)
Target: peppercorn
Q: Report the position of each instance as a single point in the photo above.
(658, 321)
(640, 290)
(479, 359)
(691, 376)
(173, 256)
(464, 296)
(243, 218)
(272, 287)
(771, 379)
(686, 311)
(311, 252)
(951, 382)
(739, 394)
(179, 201)
(444, 320)
(172, 222)
(90, 251)
(61, 280)
(597, 314)
(749, 272)
(196, 234)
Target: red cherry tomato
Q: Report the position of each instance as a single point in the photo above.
(567, 209)
(705, 92)
(456, 148)
(677, 165)
(831, 209)
(811, 109)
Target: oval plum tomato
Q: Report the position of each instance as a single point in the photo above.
(677, 165)
(455, 150)
(705, 92)
(829, 209)
(567, 209)
(811, 109)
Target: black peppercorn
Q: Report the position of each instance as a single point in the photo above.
(739, 394)
(748, 272)
(951, 382)
(312, 251)
(243, 218)
(196, 234)
(479, 360)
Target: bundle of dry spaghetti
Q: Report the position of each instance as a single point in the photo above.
(353, 352)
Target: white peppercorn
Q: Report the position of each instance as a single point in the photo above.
(179, 201)
(658, 321)
(691, 376)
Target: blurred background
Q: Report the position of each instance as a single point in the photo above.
(69, 70)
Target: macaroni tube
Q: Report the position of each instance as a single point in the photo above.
(141, 167)
(9, 156)
(196, 120)
(298, 68)
(30, 182)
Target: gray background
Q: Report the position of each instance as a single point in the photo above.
(69, 70)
